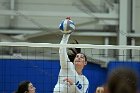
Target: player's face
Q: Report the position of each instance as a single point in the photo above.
(79, 60)
(31, 88)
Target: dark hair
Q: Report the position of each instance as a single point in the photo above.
(22, 87)
(122, 80)
(74, 51)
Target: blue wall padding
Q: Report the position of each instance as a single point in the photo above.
(134, 65)
(96, 76)
(44, 73)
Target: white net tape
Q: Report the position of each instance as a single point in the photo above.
(69, 45)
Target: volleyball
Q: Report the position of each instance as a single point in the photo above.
(67, 26)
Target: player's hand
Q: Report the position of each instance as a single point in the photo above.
(69, 80)
(100, 90)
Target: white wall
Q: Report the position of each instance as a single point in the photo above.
(137, 16)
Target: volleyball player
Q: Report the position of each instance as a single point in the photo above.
(25, 87)
(121, 80)
(71, 79)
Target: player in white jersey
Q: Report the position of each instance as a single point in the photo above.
(71, 79)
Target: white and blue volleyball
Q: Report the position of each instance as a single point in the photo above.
(67, 26)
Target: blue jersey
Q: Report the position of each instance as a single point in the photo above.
(68, 71)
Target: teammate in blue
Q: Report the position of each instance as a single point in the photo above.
(71, 79)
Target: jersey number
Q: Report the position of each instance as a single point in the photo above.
(78, 85)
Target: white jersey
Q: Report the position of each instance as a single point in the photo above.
(67, 70)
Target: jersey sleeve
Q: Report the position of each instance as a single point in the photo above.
(86, 87)
(64, 60)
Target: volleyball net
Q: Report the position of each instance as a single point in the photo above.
(48, 50)
(39, 63)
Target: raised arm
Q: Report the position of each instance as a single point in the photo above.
(63, 52)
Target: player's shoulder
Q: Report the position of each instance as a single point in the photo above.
(85, 78)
